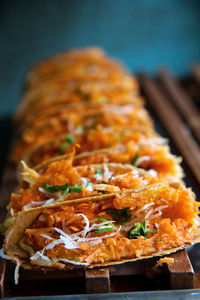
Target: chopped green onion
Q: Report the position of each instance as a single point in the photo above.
(102, 219)
(103, 191)
(102, 182)
(70, 139)
(121, 216)
(75, 189)
(55, 188)
(63, 147)
(138, 229)
(105, 228)
(134, 159)
(99, 172)
(65, 188)
(65, 191)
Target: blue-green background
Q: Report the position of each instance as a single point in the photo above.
(142, 33)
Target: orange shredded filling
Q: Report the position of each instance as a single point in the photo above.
(56, 126)
(63, 172)
(171, 229)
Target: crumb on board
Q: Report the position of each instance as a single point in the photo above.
(164, 260)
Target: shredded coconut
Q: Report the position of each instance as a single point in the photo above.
(75, 240)
(155, 213)
(107, 173)
(98, 177)
(39, 256)
(29, 175)
(145, 207)
(119, 176)
(156, 140)
(46, 192)
(89, 187)
(142, 159)
(134, 172)
(153, 172)
(16, 274)
(12, 212)
(46, 236)
(73, 262)
(84, 181)
(87, 224)
(37, 204)
(121, 109)
(87, 184)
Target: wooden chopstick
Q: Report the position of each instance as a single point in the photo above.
(182, 101)
(172, 121)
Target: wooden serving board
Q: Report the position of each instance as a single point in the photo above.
(177, 116)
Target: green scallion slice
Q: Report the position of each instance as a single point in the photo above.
(105, 228)
(121, 216)
(134, 159)
(138, 229)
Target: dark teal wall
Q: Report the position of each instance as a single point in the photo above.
(142, 33)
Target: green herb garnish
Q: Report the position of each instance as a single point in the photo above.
(69, 141)
(54, 188)
(134, 159)
(63, 147)
(105, 228)
(121, 216)
(138, 229)
(102, 182)
(75, 189)
(103, 191)
(99, 172)
(65, 188)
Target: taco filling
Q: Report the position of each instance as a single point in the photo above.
(56, 126)
(90, 139)
(155, 220)
(62, 181)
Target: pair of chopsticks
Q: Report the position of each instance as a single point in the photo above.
(178, 113)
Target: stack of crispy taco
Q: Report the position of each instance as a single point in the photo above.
(98, 185)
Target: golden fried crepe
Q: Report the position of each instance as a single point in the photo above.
(91, 64)
(155, 158)
(68, 124)
(109, 229)
(61, 181)
(59, 110)
(69, 77)
(89, 139)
